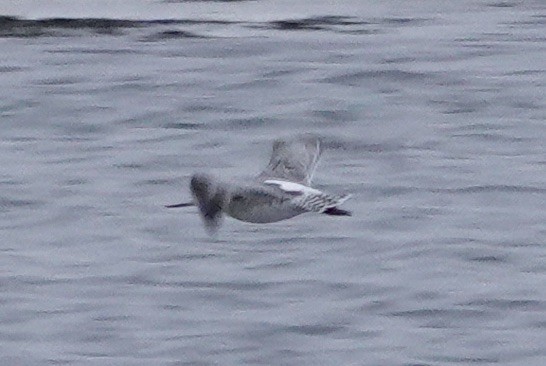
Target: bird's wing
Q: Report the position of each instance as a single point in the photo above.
(209, 197)
(293, 160)
(307, 198)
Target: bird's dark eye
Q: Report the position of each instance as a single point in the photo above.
(237, 197)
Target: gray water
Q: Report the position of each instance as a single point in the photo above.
(432, 114)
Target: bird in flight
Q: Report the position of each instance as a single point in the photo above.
(283, 190)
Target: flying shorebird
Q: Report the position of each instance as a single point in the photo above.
(280, 192)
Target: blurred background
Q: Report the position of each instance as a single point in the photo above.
(432, 115)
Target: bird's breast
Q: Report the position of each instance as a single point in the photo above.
(260, 208)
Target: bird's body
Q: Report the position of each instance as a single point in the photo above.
(261, 204)
(280, 192)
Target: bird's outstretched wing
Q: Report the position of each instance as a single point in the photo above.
(210, 198)
(311, 199)
(293, 160)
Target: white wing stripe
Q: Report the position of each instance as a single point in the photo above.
(307, 198)
(291, 187)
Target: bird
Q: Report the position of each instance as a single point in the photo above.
(281, 191)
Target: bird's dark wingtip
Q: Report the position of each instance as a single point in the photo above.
(334, 211)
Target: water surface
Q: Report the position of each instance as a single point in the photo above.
(432, 115)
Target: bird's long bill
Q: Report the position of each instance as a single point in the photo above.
(184, 204)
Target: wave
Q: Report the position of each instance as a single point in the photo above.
(19, 27)
(11, 26)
